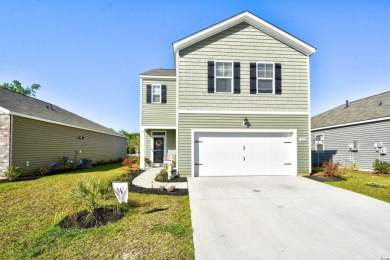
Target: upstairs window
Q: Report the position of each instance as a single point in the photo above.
(156, 93)
(265, 78)
(224, 77)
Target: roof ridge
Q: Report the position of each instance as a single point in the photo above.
(60, 116)
(367, 97)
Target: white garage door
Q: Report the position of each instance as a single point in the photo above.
(240, 154)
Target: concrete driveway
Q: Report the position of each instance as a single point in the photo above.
(279, 217)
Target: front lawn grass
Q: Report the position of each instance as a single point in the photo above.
(155, 226)
(359, 182)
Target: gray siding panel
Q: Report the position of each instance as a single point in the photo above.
(221, 121)
(159, 114)
(42, 143)
(242, 43)
(336, 142)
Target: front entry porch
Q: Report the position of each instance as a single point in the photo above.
(158, 146)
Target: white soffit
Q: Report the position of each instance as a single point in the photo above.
(253, 20)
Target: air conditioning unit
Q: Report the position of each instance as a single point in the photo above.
(86, 163)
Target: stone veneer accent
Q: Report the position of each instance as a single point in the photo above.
(5, 125)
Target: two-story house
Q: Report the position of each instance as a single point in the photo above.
(237, 102)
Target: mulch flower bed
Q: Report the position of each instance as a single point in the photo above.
(323, 178)
(103, 216)
(156, 190)
(142, 190)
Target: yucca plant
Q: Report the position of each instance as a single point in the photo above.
(13, 172)
(91, 194)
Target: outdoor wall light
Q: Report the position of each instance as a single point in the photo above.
(245, 123)
(81, 137)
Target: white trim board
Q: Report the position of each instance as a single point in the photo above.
(351, 124)
(235, 112)
(177, 58)
(157, 127)
(309, 107)
(157, 77)
(2, 109)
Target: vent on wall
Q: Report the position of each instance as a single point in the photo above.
(353, 147)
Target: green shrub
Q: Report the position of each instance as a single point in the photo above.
(331, 169)
(381, 166)
(13, 172)
(42, 171)
(161, 177)
(99, 162)
(130, 160)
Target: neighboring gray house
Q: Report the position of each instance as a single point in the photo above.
(35, 133)
(356, 132)
(237, 102)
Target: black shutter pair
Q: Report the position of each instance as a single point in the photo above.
(211, 76)
(149, 93)
(278, 78)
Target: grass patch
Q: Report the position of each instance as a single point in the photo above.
(365, 183)
(174, 229)
(32, 211)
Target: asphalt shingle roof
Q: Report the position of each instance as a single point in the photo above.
(160, 72)
(373, 107)
(20, 104)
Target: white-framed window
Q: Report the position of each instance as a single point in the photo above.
(265, 78)
(319, 142)
(223, 77)
(156, 93)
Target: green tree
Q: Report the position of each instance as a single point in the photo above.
(132, 141)
(17, 87)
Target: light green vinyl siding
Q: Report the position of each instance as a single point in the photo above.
(245, 44)
(220, 121)
(170, 142)
(43, 143)
(163, 114)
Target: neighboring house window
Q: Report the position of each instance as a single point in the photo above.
(319, 142)
(223, 77)
(156, 93)
(265, 78)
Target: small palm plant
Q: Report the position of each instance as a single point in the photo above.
(91, 194)
(13, 172)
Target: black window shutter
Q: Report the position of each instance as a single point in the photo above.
(164, 94)
(148, 93)
(253, 78)
(278, 78)
(236, 78)
(210, 77)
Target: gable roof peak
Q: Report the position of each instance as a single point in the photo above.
(254, 21)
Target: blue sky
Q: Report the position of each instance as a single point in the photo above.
(87, 55)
